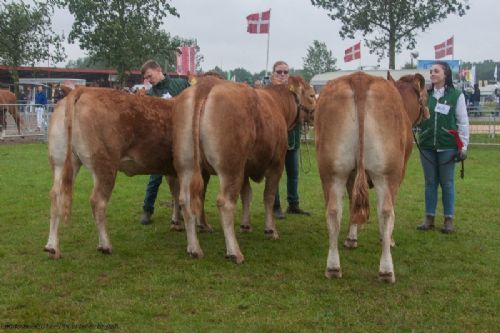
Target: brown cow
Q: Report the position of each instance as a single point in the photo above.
(237, 133)
(9, 100)
(107, 131)
(363, 127)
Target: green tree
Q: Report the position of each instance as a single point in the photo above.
(485, 70)
(318, 60)
(85, 62)
(122, 33)
(26, 36)
(389, 25)
(242, 75)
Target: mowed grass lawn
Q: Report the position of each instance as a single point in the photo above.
(444, 283)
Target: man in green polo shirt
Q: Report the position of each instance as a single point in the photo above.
(165, 87)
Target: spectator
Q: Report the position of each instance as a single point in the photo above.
(165, 87)
(22, 100)
(439, 148)
(40, 105)
(476, 98)
(280, 76)
(58, 94)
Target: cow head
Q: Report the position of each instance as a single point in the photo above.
(304, 96)
(419, 86)
(414, 94)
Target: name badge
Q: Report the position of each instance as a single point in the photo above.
(166, 96)
(442, 108)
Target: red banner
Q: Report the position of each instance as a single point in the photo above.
(258, 23)
(185, 60)
(352, 53)
(444, 49)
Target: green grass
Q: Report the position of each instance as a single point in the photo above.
(445, 283)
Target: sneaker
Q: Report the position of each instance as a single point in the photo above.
(146, 218)
(278, 213)
(295, 209)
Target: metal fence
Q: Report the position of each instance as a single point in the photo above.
(29, 124)
(484, 123)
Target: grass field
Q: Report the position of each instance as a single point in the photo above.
(444, 283)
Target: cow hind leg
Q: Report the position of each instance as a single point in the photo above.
(333, 219)
(190, 217)
(104, 182)
(226, 202)
(203, 226)
(385, 210)
(59, 198)
(246, 199)
(270, 188)
(351, 242)
(175, 222)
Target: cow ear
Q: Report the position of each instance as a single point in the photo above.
(389, 77)
(419, 82)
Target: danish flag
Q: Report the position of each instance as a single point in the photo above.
(444, 49)
(354, 52)
(258, 23)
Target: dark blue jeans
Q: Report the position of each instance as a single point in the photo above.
(152, 193)
(439, 169)
(292, 179)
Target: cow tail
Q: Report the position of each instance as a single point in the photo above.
(67, 178)
(197, 183)
(359, 205)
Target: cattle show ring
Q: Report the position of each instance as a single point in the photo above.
(148, 270)
(340, 196)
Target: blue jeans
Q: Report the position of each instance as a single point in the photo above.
(292, 179)
(441, 171)
(152, 193)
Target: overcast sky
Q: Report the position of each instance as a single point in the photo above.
(220, 28)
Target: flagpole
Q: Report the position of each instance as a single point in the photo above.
(268, 37)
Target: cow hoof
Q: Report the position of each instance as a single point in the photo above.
(53, 253)
(237, 259)
(271, 234)
(351, 243)
(104, 250)
(205, 228)
(176, 226)
(246, 228)
(333, 272)
(387, 277)
(196, 254)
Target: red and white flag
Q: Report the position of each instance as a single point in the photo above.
(444, 49)
(185, 60)
(354, 52)
(258, 23)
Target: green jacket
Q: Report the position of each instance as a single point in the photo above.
(294, 137)
(172, 86)
(434, 131)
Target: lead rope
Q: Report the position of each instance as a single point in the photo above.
(306, 131)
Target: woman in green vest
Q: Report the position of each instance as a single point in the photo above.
(439, 147)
